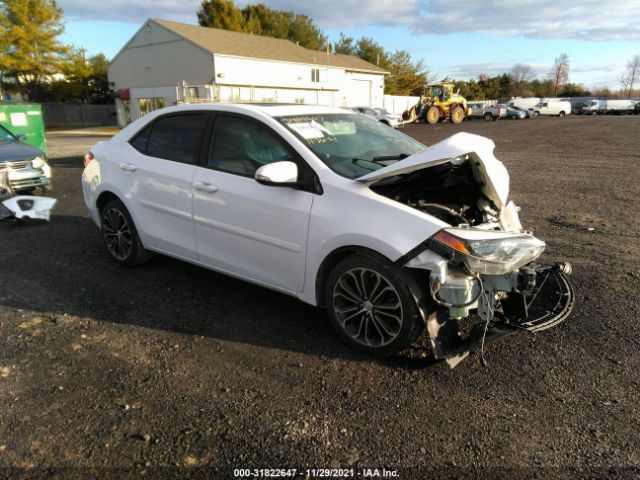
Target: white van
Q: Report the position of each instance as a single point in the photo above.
(525, 103)
(554, 107)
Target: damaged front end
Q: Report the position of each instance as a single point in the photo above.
(485, 265)
(517, 295)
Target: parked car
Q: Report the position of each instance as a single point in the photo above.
(335, 209)
(636, 108)
(594, 107)
(554, 107)
(487, 112)
(25, 165)
(382, 115)
(516, 114)
(529, 112)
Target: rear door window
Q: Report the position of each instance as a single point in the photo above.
(177, 137)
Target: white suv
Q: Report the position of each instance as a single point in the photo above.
(336, 209)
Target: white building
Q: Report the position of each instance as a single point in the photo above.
(167, 62)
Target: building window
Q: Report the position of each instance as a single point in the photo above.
(148, 105)
(315, 74)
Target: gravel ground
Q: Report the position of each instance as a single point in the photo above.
(170, 370)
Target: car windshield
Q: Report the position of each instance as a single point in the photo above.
(351, 145)
(6, 136)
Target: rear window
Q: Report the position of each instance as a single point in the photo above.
(172, 137)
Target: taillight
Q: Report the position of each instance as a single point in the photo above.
(88, 157)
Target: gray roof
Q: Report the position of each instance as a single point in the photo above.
(216, 40)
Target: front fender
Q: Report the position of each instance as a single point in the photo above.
(356, 216)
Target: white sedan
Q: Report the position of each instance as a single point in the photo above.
(336, 209)
(381, 115)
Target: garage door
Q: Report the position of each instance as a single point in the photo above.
(359, 93)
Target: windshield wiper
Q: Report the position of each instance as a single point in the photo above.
(356, 160)
(399, 156)
(382, 158)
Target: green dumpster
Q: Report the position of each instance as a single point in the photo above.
(24, 118)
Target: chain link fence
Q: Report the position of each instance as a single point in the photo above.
(69, 115)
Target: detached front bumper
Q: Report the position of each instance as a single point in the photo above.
(543, 300)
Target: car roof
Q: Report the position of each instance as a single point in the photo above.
(270, 109)
(257, 109)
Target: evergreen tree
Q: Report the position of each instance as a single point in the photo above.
(304, 32)
(371, 51)
(262, 20)
(407, 77)
(344, 45)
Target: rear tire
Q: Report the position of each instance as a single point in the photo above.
(120, 235)
(561, 114)
(457, 115)
(371, 306)
(487, 117)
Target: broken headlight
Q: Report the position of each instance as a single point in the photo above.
(37, 162)
(489, 252)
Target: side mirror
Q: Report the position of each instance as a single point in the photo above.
(278, 174)
(21, 137)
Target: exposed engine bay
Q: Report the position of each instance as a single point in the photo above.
(447, 191)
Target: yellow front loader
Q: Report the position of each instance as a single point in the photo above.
(440, 104)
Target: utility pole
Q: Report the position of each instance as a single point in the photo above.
(84, 79)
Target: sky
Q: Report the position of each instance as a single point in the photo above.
(459, 39)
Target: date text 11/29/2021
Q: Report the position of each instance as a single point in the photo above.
(315, 473)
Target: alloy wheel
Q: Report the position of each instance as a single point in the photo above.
(117, 233)
(367, 307)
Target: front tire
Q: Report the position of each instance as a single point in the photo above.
(371, 307)
(433, 115)
(487, 117)
(120, 235)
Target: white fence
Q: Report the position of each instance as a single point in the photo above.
(186, 93)
(398, 104)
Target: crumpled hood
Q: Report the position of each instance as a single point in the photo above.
(488, 170)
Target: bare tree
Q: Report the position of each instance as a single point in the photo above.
(559, 73)
(630, 76)
(624, 79)
(521, 75)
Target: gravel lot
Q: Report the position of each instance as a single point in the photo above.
(170, 370)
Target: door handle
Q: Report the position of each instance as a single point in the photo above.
(205, 187)
(128, 167)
